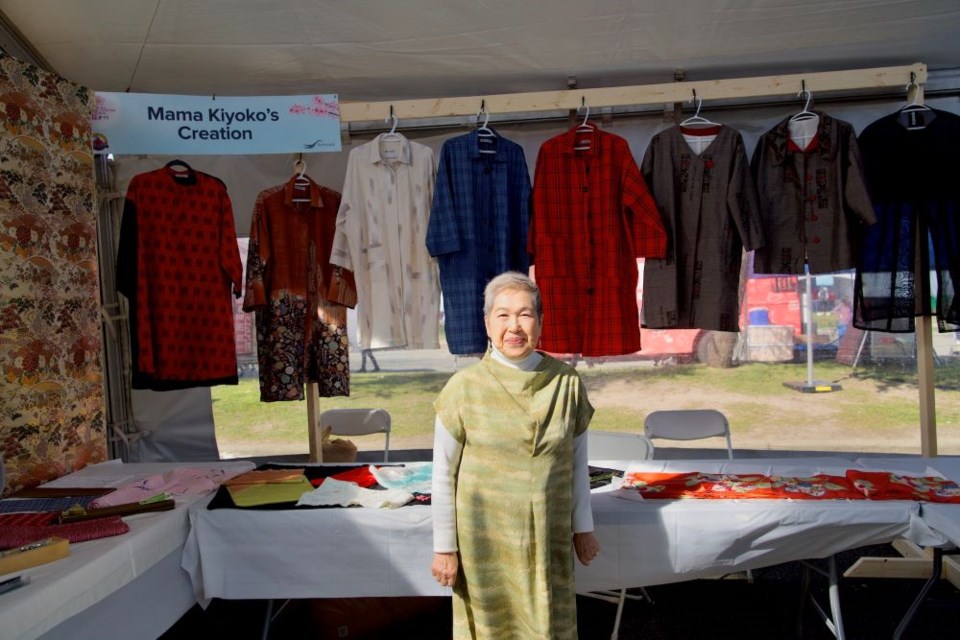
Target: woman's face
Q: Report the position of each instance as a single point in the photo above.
(513, 326)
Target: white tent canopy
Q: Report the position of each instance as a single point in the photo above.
(367, 50)
(378, 50)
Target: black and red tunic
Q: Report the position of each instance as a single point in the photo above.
(177, 263)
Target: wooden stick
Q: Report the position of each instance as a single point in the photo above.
(852, 79)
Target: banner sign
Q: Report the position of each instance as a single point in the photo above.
(142, 123)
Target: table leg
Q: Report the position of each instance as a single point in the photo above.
(266, 621)
(915, 605)
(833, 620)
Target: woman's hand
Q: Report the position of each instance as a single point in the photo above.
(586, 546)
(444, 568)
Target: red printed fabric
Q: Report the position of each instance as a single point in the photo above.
(361, 476)
(721, 486)
(884, 485)
(177, 264)
(854, 485)
(592, 218)
(18, 529)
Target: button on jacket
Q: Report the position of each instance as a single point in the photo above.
(710, 210)
(592, 218)
(813, 202)
(381, 237)
(478, 229)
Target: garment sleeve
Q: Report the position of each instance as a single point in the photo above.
(856, 198)
(521, 258)
(342, 288)
(582, 514)
(644, 220)
(230, 262)
(258, 259)
(443, 236)
(446, 463)
(756, 164)
(584, 409)
(742, 203)
(126, 267)
(649, 162)
(345, 249)
(538, 205)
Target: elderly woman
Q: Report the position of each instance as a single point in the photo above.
(511, 494)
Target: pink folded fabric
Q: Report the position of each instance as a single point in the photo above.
(186, 481)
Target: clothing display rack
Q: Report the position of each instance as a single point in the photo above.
(909, 78)
(633, 95)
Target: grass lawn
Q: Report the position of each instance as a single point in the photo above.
(877, 409)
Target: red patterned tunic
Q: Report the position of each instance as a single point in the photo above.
(592, 218)
(300, 299)
(177, 262)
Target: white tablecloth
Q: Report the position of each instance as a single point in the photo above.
(325, 553)
(98, 572)
(942, 518)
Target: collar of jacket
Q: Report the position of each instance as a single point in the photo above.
(569, 140)
(288, 190)
(779, 138)
(473, 146)
(405, 156)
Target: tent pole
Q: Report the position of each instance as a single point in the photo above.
(808, 318)
(313, 422)
(925, 382)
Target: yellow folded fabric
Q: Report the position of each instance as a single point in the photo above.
(267, 476)
(252, 495)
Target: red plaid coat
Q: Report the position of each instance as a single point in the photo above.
(592, 218)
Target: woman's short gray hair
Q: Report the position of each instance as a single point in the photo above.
(513, 281)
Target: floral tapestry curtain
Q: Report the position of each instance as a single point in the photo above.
(51, 395)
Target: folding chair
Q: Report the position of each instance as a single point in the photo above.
(358, 422)
(611, 445)
(688, 424)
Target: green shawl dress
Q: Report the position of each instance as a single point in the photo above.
(514, 497)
